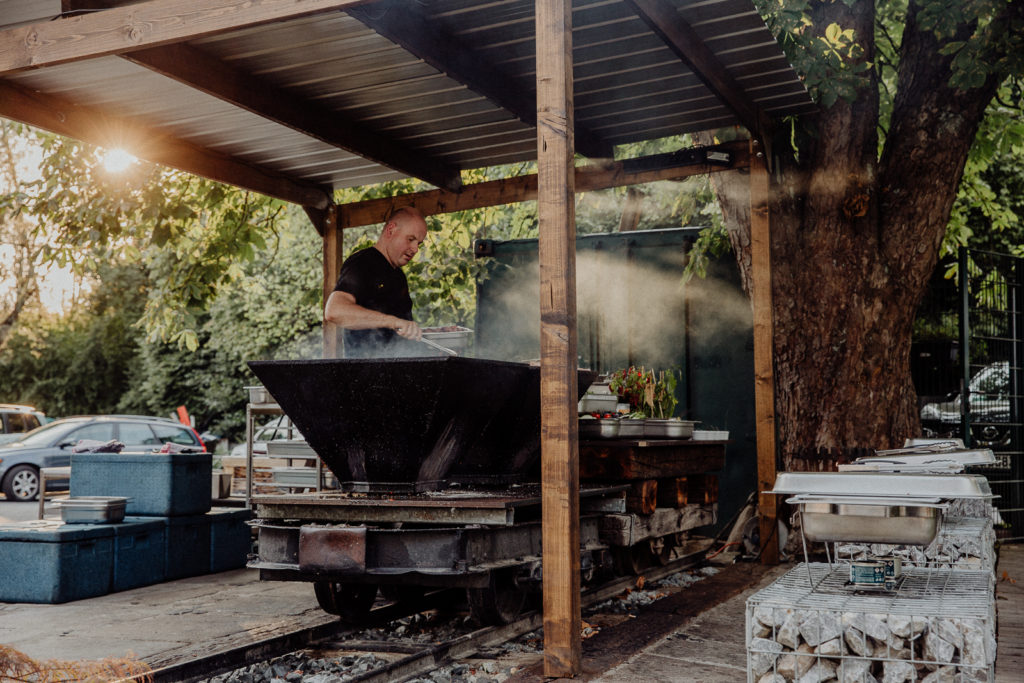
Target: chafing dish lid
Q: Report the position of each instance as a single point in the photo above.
(884, 484)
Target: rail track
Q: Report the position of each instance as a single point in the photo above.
(405, 660)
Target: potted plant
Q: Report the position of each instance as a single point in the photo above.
(652, 400)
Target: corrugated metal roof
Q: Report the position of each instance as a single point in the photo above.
(629, 85)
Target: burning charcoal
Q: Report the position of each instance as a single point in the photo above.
(898, 672)
(905, 626)
(789, 633)
(858, 642)
(944, 674)
(855, 671)
(937, 649)
(823, 670)
(771, 677)
(762, 655)
(794, 665)
(818, 627)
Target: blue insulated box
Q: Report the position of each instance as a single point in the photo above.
(49, 561)
(230, 538)
(158, 484)
(187, 547)
(140, 548)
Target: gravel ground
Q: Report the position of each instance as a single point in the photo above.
(493, 666)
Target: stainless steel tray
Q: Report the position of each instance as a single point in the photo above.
(912, 521)
(599, 428)
(887, 484)
(92, 509)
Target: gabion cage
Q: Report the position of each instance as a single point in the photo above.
(810, 626)
(962, 543)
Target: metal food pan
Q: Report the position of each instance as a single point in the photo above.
(876, 520)
(888, 484)
(603, 428)
(92, 509)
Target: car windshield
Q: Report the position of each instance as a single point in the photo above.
(48, 433)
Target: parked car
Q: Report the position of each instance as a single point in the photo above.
(280, 428)
(990, 409)
(15, 420)
(50, 446)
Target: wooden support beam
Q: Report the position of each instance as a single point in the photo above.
(642, 497)
(673, 166)
(404, 24)
(201, 71)
(142, 25)
(764, 374)
(103, 128)
(326, 223)
(666, 21)
(556, 250)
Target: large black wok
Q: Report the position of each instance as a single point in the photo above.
(414, 423)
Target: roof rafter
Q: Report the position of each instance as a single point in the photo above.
(405, 25)
(141, 25)
(669, 166)
(100, 127)
(665, 20)
(201, 71)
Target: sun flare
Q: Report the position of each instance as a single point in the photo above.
(117, 160)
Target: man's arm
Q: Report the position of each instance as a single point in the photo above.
(342, 310)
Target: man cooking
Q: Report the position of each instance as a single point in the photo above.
(371, 299)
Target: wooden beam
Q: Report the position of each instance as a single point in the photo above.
(100, 127)
(142, 25)
(326, 223)
(673, 166)
(201, 71)
(556, 252)
(666, 21)
(764, 374)
(404, 24)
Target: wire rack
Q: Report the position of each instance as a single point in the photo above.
(962, 543)
(810, 617)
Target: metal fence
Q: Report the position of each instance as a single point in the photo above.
(968, 366)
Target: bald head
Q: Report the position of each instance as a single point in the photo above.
(403, 233)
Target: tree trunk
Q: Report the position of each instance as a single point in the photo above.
(854, 240)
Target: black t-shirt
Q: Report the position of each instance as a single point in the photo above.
(376, 284)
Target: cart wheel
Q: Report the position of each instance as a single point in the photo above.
(398, 592)
(661, 548)
(632, 560)
(350, 601)
(500, 602)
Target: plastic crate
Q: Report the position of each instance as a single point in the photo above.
(140, 547)
(230, 538)
(809, 625)
(187, 547)
(962, 543)
(157, 484)
(49, 561)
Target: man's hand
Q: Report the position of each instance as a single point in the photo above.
(408, 329)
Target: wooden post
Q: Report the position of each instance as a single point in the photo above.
(558, 339)
(764, 376)
(333, 253)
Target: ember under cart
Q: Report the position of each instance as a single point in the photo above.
(437, 459)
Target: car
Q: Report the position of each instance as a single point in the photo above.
(989, 410)
(51, 444)
(278, 429)
(15, 420)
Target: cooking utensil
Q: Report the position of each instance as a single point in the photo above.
(435, 345)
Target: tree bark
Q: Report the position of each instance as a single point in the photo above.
(855, 237)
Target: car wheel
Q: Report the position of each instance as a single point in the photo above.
(22, 483)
